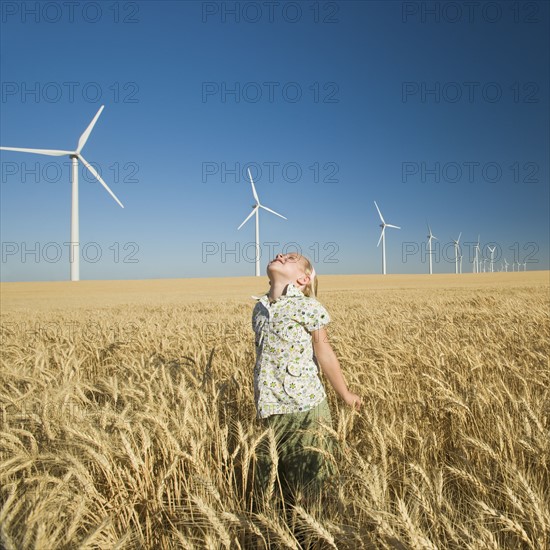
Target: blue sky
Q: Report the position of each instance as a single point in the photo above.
(439, 116)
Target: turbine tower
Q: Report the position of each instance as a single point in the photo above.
(457, 251)
(476, 257)
(383, 225)
(430, 237)
(506, 265)
(492, 251)
(75, 156)
(256, 210)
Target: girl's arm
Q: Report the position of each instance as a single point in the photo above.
(331, 367)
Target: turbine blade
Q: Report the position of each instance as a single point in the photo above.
(379, 213)
(394, 226)
(248, 217)
(381, 235)
(459, 235)
(49, 152)
(272, 211)
(99, 178)
(253, 188)
(86, 134)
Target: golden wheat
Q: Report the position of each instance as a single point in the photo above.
(131, 424)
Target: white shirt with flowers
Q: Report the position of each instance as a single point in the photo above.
(286, 377)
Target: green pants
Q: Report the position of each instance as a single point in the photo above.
(299, 468)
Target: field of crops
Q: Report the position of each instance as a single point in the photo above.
(127, 416)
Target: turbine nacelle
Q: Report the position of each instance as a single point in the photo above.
(431, 235)
(256, 210)
(72, 154)
(382, 239)
(258, 205)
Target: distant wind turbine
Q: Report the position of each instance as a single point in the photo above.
(506, 265)
(382, 238)
(476, 257)
(492, 251)
(430, 237)
(457, 251)
(256, 210)
(75, 156)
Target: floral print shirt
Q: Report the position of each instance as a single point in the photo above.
(286, 376)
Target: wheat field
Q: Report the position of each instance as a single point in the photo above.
(127, 416)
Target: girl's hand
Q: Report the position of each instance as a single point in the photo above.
(353, 400)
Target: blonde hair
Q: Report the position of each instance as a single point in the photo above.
(311, 288)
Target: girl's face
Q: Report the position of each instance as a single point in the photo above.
(290, 267)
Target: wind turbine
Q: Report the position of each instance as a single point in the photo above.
(75, 156)
(524, 266)
(492, 251)
(476, 258)
(256, 210)
(457, 251)
(383, 225)
(430, 237)
(506, 265)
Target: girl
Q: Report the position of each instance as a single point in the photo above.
(291, 342)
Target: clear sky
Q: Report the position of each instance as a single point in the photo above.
(439, 111)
